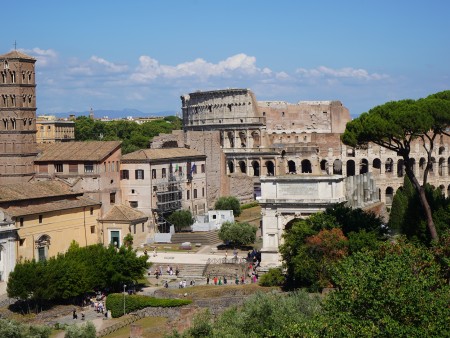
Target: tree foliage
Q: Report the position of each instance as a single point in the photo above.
(66, 277)
(13, 329)
(237, 233)
(311, 246)
(84, 331)
(407, 215)
(396, 291)
(228, 203)
(134, 136)
(396, 125)
(181, 219)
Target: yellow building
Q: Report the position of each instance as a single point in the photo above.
(48, 216)
(52, 130)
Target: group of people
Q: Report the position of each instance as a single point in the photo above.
(183, 284)
(159, 271)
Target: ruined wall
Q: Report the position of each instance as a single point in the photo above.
(208, 143)
(241, 186)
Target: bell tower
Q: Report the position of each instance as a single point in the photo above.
(17, 117)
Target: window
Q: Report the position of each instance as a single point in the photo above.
(195, 193)
(214, 216)
(124, 174)
(40, 218)
(91, 211)
(134, 229)
(59, 167)
(188, 195)
(134, 204)
(143, 227)
(73, 168)
(203, 168)
(89, 167)
(112, 198)
(139, 174)
(180, 170)
(133, 191)
(163, 173)
(21, 221)
(203, 192)
(153, 173)
(92, 229)
(22, 242)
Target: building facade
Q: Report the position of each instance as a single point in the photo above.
(160, 181)
(51, 130)
(18, 117)
(92, 168)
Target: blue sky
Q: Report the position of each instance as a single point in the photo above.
(144, 54)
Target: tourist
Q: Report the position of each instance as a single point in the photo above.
(171, 271)
(177, 271)
(220, 280)
(74, 314)
(242, 279)
(168, 270)
(180, 285)
(236, 280)
(207, 280)
(224, 280)
(155, 253)
(215, 280)
(184, 283)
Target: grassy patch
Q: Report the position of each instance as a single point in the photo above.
(152, 327)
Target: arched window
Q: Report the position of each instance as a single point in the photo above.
(231, 138)
(270, 168)
(389, 165)
(291, 167)
(389, 195)
(422, 165)
(306, 167)
(42, 246)
(350, 168)
(255, 165)
(324, 167)
(337, 167)
(243, 167)
(363, 166)
(400, 168)
(230, 167)
(243, 139)
(256, 139)
(376, 165)
(441, 166)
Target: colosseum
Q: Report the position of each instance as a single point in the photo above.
(273, 138)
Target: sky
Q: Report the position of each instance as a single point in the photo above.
(145, 54)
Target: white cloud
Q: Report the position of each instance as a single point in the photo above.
(44, 57)
(109, 66)
(343, 73)
(236, 65)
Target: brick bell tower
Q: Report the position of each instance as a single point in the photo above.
(17, 117)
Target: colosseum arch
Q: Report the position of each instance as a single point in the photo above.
(376, 166)
(256, 139)
(270, 168)
(350, 168)
(324, 167)
(400, 168)
(243, 139)
(363, 166)
(441, 150)
(412, 163)
(230, 167)
(441, 168)
(243, 167)
(389, 195)
(433, 164)
(255, 165)
(389, 165)
(337, 167)
(306, 167)
(291, 167)
(422, 165)
(230, 136)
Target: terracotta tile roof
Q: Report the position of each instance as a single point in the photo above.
(124, 214)
(162, 153)
(63, 204)
(16, 55)
(25, 191)
(94, 151)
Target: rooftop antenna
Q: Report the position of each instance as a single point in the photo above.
(15, 45)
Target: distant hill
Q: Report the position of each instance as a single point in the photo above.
(116, 114)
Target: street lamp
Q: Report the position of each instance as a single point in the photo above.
(124, 287)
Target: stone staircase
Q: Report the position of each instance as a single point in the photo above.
(204, 238)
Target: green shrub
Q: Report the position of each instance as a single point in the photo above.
(114, 303)
(228, 203)
(274, 277)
